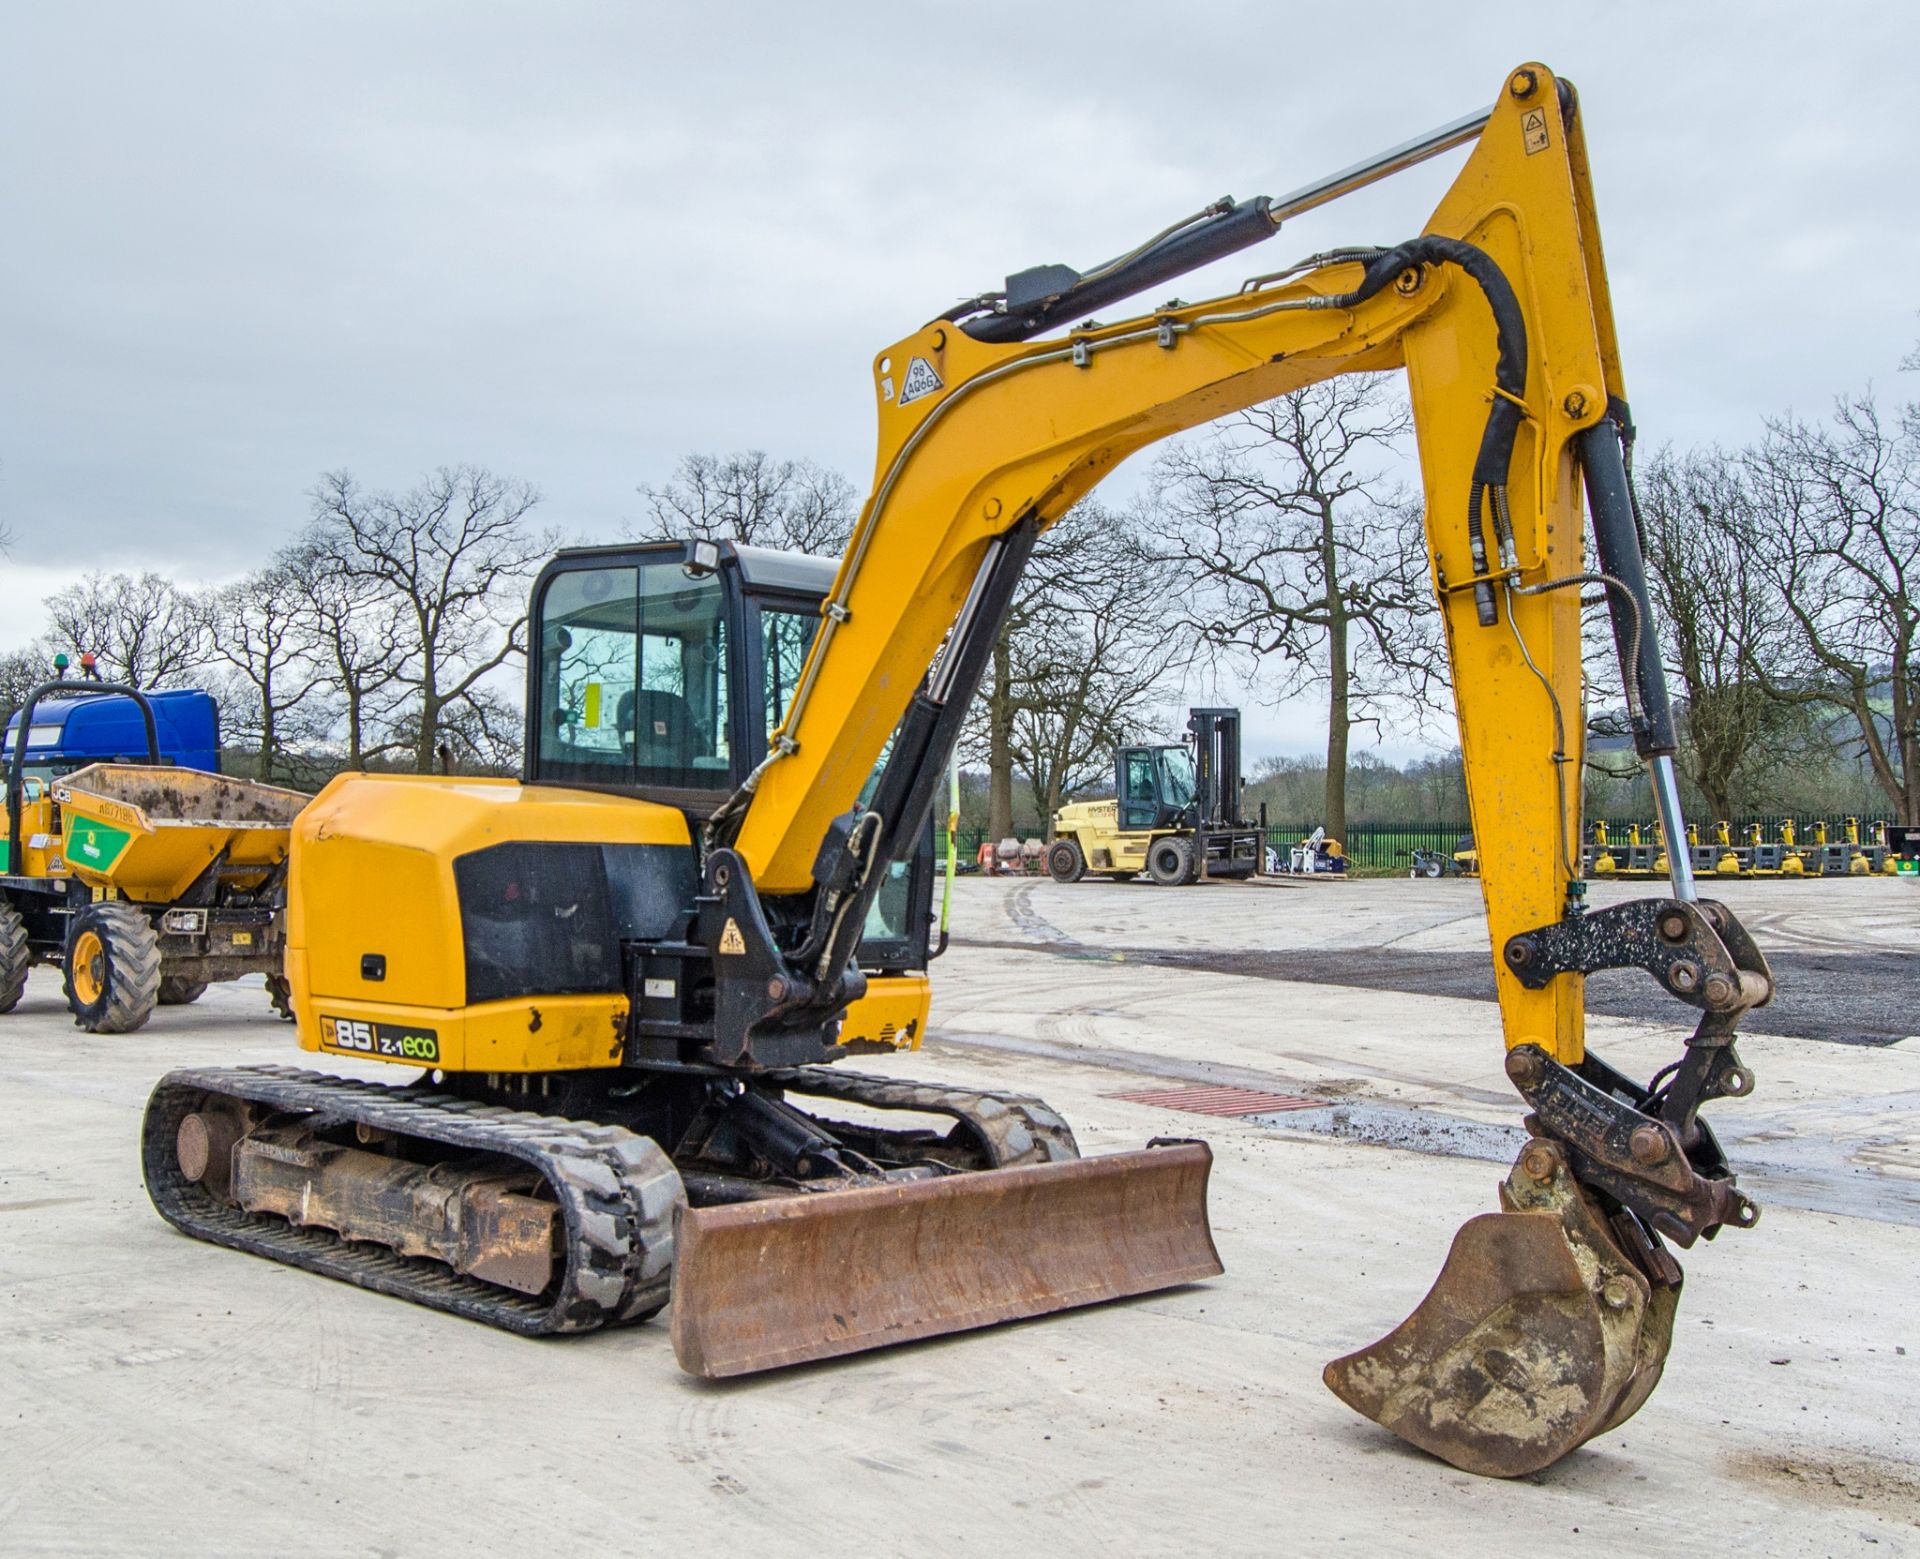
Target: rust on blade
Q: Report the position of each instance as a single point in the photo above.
(758, 1285)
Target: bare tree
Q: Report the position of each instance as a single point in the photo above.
(1094, 651)
(259, 631)
(145, 630)
(791, 504)
(480, 734)
(454, 554)
(1084, 645)
(1840, 542)
(1719, 615)
(1300, 559)
(358, 649)
(1442, 782)
(21, 671)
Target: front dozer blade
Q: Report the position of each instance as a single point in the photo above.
(1538, 1334)
(761, 1284)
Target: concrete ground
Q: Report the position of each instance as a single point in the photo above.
(161, 1396)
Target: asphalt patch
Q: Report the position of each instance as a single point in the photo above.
(1842, 998)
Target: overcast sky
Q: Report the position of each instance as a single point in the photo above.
(248, 243)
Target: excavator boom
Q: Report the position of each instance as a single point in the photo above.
(1499, 312)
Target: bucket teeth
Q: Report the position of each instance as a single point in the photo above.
(1538, 1334)
(758, 1285)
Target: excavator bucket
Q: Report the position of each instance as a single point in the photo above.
(762, 1284)
(1539, 1333)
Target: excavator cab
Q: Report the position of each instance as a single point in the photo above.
(662, 669)
(662, 672)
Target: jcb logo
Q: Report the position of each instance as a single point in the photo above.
(347, 1034)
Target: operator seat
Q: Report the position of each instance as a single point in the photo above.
(657, 727)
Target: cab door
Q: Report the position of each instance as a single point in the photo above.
(1137, 785)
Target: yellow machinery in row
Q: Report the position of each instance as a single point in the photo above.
(1641, 854)
(629, 974)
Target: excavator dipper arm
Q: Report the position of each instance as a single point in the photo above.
(1549, 1323)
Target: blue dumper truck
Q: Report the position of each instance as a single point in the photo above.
(128, 860)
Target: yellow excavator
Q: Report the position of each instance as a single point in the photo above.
(624, 978)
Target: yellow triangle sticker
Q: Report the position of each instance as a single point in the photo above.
(731, 941)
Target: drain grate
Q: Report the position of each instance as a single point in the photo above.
(1221, 1101)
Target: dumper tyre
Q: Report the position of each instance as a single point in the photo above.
(112, 968)
(1065, 863)
(176, 990)
(1170, 861)
(16, 957)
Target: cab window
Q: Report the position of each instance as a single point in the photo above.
(786, 635)
(633, 678)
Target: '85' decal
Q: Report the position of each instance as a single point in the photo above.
(390, 1041)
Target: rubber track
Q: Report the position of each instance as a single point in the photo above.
(1015, 1128)
(616, 1190)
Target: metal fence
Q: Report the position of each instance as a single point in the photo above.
(1373, 847)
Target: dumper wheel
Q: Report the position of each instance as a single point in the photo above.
(113, 968)
(1170, 861)
(1065, 863)
(177, 990)
(15, 957)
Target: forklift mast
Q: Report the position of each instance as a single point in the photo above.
(1216, 764)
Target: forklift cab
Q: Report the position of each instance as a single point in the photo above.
(1155, 786)
(661, 670)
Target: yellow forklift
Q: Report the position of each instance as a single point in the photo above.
(1174, 813)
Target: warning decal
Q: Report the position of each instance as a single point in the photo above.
(920, 382)
(1533, 130)
(731, 941)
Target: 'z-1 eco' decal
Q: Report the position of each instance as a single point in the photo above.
(389, 1041)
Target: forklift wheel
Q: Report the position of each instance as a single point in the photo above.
(112, 968)
(1065, 863)
(1170, 861)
